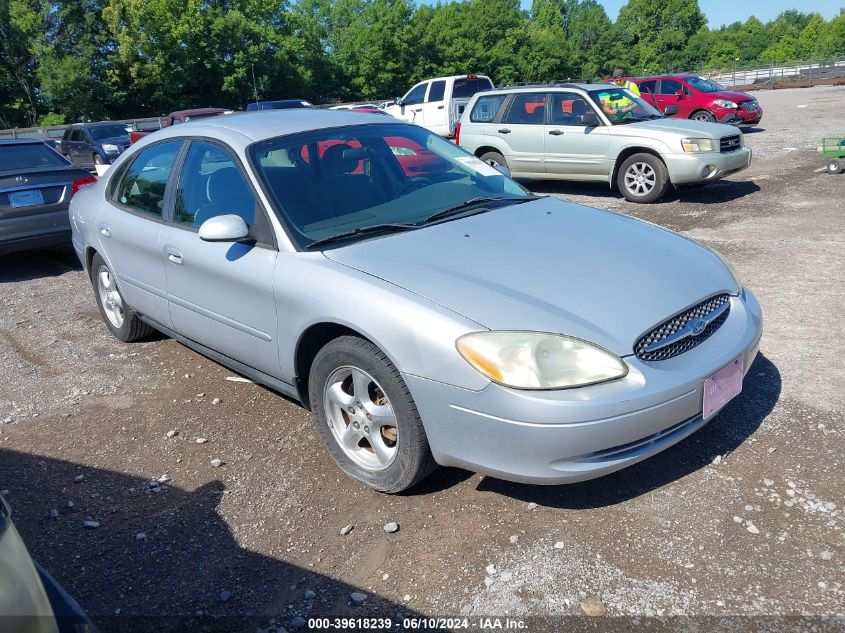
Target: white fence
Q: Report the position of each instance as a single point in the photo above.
(56, 131)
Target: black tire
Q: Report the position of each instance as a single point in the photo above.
(661, 179)
(703, 115)
(413, 460)
(132, 327)
(494, 159)
(835, 166)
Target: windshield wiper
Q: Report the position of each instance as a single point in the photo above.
(363, 230)
(472, 202)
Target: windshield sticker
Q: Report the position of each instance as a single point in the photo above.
(478, 166)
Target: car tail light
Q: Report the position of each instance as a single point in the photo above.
(81, 182)
(458, 134)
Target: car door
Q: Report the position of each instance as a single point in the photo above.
(411, 107)
(435, 111)
(668, 94)
(129, 227)
(647, 91)
(73, 145)
(522, 132)
(221, 293)
(573, 147)
(85, 149)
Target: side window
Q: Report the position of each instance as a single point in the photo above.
(75, 135)
(212, 184)
(567, 107)
(416, 95)
(670, 86)
(485, 108)
(143, 185)
(438, 89)
(527, 108)
(648, 87)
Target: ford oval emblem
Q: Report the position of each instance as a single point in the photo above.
(698, 326)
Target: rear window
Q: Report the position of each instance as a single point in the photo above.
(28, 156)
(486, 108)
(468, 86)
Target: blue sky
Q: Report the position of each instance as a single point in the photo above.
(721, 12)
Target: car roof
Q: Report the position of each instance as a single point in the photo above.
(556, 87)
(20, 141)
(243, 128)
(97, 123)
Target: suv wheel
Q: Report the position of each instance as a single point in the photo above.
(703, 115)
(366, 417)
(494, 159)
(642, 178)
(121, 320)
(835, 166)
(98, 160)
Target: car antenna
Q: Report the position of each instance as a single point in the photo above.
(254, 85)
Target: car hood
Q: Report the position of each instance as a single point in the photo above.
(731, 95)
(681, 127)
(549, 266)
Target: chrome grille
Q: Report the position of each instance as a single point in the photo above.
(749, 106)
(730, 143)
(684, 331)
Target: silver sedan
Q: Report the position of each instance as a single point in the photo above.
(425, 307)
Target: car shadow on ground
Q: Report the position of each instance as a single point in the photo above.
(716, 192)
(45, 262)
(186, 573)
(730, 428)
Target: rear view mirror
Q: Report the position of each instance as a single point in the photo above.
(589, 119)
(224, 228)
(670, 110)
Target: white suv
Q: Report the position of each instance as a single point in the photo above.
(597, 132)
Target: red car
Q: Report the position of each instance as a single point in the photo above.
(700, 99)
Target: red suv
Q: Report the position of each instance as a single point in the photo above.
(700, 99)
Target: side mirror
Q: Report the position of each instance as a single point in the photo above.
(503, 170)
(588, 119)
(224, 228)
(680, 94)
(397, 101)
(669, 110)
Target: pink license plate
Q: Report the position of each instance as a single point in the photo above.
(722, 387)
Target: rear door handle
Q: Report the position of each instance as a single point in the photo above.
(440, 107)
(555, 132)
(105, 230)
(504, 130)
(173, 254)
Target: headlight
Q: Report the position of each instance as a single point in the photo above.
(724, 103)
(108, 148)
(698, 144)
(537, 360)
(727, 264)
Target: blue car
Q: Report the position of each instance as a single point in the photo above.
(90, 144)
(281, 104)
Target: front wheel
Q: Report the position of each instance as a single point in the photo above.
(494, 159)
(98, 160)
(642, 178)
(703, 115)
(835, 166)
(366, 417)
(121, 320)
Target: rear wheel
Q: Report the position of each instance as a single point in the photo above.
(642, 178)
(835, 166)
(366, 417)
(494, 159)
(703, 115)
(121, 320)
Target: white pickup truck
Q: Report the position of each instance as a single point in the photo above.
(437, 104)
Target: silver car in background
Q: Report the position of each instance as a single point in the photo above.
(424, 306)
(598, 132)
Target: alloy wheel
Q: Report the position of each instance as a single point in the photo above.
(640, 179)
(361, 418)
(110, 297)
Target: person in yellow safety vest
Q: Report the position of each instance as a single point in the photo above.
(616, 106)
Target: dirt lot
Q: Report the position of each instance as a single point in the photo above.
(744, 518)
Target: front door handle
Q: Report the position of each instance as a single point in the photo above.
(555, 132)
(440, 107)
(105, 230)
(418, 110)
(173, 254)
(504, 130)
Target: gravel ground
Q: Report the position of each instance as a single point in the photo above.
(743, 518)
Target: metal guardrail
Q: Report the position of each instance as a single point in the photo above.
(57, 131)
(806, 70)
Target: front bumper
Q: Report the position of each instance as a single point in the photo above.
(693, 167)
(565, 436)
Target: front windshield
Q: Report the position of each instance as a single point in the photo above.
(623, 106)
(100, 132)
(333, 181)
(704, 85)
